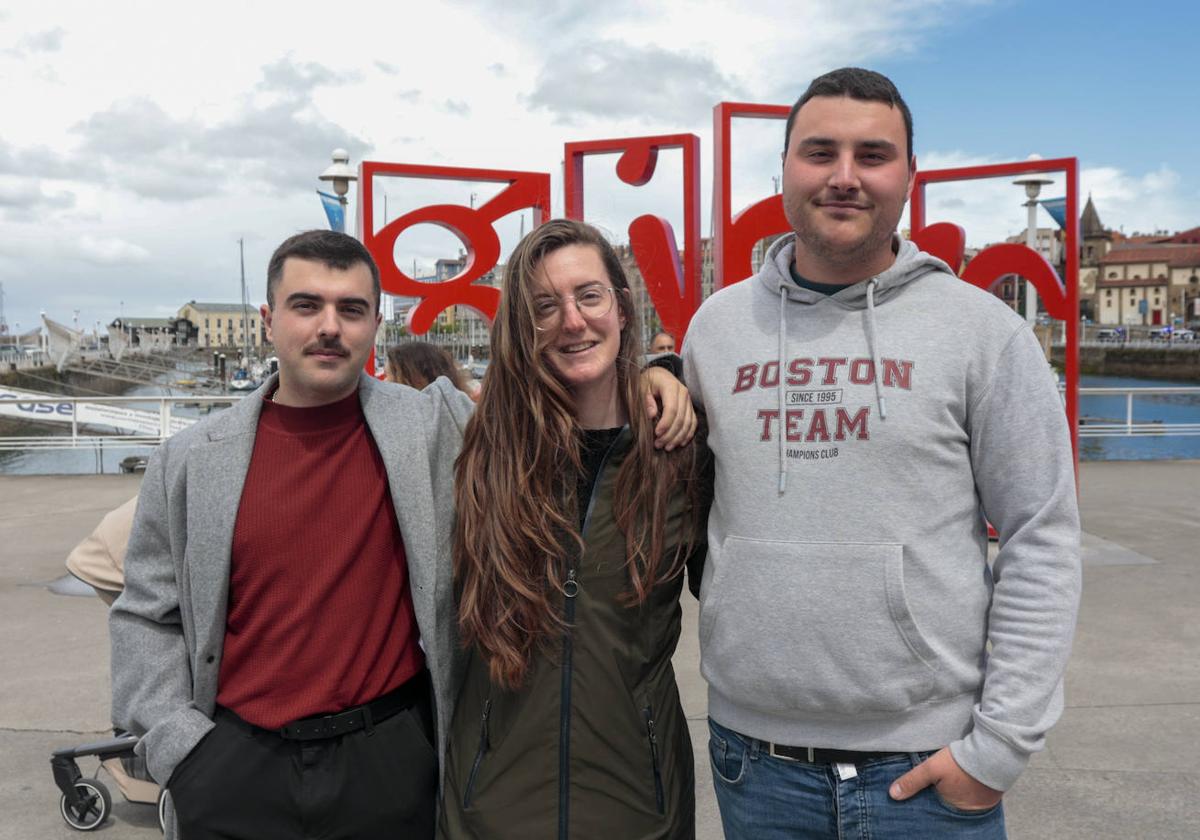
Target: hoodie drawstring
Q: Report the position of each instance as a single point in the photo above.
(780, 388)
(874, 348)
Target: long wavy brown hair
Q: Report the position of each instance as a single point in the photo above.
(515, 478)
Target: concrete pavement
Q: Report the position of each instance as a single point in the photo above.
(1123, 762)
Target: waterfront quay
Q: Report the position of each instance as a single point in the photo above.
(1123, 762)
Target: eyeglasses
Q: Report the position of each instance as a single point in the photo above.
(592, 302)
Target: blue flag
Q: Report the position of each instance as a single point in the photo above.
(1057, 208)
(334, 210)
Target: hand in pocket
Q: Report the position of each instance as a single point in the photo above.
(185, 771)
(951, 783)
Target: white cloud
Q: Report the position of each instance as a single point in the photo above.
(136, 145)
(111, 251)
(23, 197)
(1142, 203)
(613, 79)
(993, 209)
(46, 41)
(163, 134)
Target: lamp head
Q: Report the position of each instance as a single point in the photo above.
(339, 173)
(1033, 185)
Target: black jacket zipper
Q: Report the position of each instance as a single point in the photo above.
(570, 593)
(570, 590)
(484, 746)
(648, 715)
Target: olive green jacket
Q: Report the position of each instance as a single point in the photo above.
(594, 744)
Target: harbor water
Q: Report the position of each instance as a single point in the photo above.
(1153, 408)
(83, 461)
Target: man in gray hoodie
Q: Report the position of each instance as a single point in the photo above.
(869, 412)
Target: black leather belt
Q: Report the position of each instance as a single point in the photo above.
(359, 717)
(816, 755)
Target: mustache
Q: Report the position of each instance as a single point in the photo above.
(326, 346)
(845, 198)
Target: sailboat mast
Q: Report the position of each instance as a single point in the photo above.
(245, 303)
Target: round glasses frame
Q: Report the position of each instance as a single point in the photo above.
(592, 303)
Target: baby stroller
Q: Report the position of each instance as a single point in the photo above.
(86, 802)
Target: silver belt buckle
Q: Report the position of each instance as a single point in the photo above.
(811, 755)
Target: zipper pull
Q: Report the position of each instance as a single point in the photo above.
(648, 714)
(485, 738)
(570, 585)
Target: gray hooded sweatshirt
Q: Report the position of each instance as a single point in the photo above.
(860, 441)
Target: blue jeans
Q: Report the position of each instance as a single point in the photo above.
(767, 798)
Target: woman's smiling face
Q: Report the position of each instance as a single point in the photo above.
(582, 346)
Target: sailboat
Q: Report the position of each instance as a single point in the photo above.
(248, 375)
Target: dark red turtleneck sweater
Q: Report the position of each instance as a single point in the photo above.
(320, 613)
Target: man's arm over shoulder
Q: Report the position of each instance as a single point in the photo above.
(447, 410)
(151, 671)
(1025, 475)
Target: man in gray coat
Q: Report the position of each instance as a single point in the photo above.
(287, 605)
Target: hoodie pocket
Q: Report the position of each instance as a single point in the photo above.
(815, 627)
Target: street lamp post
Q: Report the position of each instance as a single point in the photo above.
(339, 175)
(1033, 186)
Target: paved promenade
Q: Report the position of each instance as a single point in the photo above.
(1124, 762)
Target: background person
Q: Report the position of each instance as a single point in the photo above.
(99, 558)
(663, 342)
(417, 363)
(569, 551)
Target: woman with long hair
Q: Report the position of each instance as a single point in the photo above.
(572, 538)
(417, 363)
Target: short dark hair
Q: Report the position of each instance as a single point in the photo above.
(328, 247)
(856, 83)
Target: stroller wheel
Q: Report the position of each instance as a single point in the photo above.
(93, 808)
(162, 810)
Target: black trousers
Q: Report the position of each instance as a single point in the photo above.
(246, 783)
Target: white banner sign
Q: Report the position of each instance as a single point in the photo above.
(47, 408)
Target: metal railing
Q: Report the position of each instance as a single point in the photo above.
(1127, 427)
(130, 427)
(160, 423)
(1135, 344)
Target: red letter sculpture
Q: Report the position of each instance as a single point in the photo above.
(674, 287)
(734, 237)
(473, 226)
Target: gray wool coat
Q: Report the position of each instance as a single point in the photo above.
(168, 626)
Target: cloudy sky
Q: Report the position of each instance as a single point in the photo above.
(141, 140)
